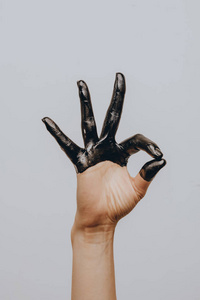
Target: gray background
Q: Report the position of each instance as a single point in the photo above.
(46, 46)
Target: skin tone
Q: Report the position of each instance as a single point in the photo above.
(106, 192)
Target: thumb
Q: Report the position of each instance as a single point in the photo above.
(147, 173)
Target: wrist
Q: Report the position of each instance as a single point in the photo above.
(93, 262)
(92, 235)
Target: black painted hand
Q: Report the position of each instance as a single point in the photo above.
(106, 152)
(105, 148)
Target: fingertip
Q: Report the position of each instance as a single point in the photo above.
(155, 151)
(83, 90)
(47, 123)
(119, 75)
(151, 168)
(160, 163)
(158, 153)
(164, 162)
(50, 124)
(120, 82)
(45, 120)
(80, 83)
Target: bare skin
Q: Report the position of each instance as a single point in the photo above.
(106, 192)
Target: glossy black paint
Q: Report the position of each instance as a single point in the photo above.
(105, 148)
(151, 168)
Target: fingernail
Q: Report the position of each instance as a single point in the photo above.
(156, 152)
(44, 120)
(83, 91)
(119, 75)
(79, 82)
(120, 82)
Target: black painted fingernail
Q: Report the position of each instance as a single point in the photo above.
(155, 151)
(158, 152)
(49, 123)
(45, 120)
(82, 89)
(80, 83)
(120, 82)
(151, 168)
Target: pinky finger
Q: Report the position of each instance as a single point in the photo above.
(67, 145)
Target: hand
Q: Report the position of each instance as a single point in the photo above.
(105, 190)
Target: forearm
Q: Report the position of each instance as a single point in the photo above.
(93, 275)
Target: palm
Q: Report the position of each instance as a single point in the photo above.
(105, 191)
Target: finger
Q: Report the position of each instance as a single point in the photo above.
(151, 168)
(89, 130)
(140, 142)
(146, 175)
(69, 147)
(114, 111)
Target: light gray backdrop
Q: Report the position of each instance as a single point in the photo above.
(46, 46)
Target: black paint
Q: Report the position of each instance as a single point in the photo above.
(105, 148)
(151, 168)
